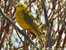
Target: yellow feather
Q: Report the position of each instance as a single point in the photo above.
(25, 19)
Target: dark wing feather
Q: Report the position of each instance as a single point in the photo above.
(29, 18)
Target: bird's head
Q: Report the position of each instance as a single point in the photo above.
(21, 6)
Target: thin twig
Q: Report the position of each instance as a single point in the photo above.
(49, 38)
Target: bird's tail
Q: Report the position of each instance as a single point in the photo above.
(37, 34)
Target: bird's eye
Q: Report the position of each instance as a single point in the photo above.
(21, 5)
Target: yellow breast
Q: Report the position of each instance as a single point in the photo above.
(20, 20)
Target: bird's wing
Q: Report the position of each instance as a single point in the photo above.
(29, 19)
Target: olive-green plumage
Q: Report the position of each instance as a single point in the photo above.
(25, 19)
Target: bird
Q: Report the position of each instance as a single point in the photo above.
(26, 20)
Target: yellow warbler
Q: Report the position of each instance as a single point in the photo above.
(25, 19)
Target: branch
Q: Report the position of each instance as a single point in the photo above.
(49, 38)
(21, 32)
